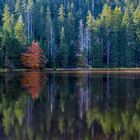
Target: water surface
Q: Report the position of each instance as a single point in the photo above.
(43, 106)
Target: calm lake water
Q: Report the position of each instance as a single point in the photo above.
(42, 106)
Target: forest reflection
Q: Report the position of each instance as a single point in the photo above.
(43, 106)
(33, 82)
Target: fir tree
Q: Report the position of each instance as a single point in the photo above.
(63, 51)
(20, 30)
(6, 35)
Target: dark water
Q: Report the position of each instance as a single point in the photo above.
(42, 106)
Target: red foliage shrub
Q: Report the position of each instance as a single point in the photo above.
(33, 57)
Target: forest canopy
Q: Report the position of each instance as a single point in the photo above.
(71, 33)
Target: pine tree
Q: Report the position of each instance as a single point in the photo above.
(137, 26)
(106, 21)
(6, 20)
(42, 24)
(6, 35)
(106, 15)
(89, 20)
(117, 50)
(51, 50)
(98, 43)
(63, 51)
(48, 23)
(137, 21)
(61, 14)
(18, 8)
(89, 26)
(71, 38)
(80, 54)
(128, 23)
(20, 30)
(29, 19)
(61, 17)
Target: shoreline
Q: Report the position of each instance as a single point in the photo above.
(78, 70)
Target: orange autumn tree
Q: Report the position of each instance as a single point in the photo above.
(33, 57)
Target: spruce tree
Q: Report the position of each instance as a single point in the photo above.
(6, 20)
(71, 38)
(18, 8)
(6, 35)
(98, 40)
(137, 26)
(60, 21)
(63, 51)
(51, 50)
(128, 22)
(20, 30)
(89, 26)
(117, 50)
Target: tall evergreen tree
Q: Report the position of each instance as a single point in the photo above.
(51, 50)
(20, 30)
(6, 35)
(29, 20)
(6, 20)
(18, 8)
(106, 20)
(117, 50)
(137, 26)
(63, 50)
(89, 26)
(71, 38)
(130, 37)
(98, 43)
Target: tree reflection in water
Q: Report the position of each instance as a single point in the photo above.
(84, 92)
(65, 107)
(32, 81)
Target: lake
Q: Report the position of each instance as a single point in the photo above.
(61, 106)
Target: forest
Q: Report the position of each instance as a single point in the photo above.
(69, 33)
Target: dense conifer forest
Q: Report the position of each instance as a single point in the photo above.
(70, 33)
